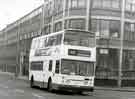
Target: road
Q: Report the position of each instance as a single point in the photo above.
(18, 89)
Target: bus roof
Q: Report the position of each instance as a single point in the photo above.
(63, 31)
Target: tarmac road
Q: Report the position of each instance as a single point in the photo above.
(19, 89)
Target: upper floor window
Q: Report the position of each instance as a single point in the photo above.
(58, 26)
(78, 4)
(106, 4)
(106, 28)
(115, 4)
(97, 3)
(128, 6)
(58, 5)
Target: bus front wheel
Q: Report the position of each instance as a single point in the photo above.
(50, 85)
(32, 82)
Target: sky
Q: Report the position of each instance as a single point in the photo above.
(11, 10)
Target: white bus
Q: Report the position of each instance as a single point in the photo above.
(63, 60)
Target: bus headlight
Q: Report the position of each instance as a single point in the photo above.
(62, 79)
(67, 81)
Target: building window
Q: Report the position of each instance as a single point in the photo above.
(58, 6)
(74, 3)
(107, 63)
(128, 60)
(97, 3)
(104, 28)
(128, 7)
(78, 4)
(129, 32)
(96, 26)
(115, 3)
(133, 8)
(82, 3)
(47, 29)
(106, 4)
(58, 27)
(114, 29)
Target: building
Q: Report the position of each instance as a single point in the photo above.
(113, 22)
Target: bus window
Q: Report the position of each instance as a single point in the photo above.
(50, 65)
(37, 66)
(57, 66)
(41, 43)
(53, 40)
(59, 38)
(79, 39)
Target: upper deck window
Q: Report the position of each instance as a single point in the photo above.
(79, 39)
(53, 40)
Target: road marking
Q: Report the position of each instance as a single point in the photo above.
(5, 87)
(19, 90)
(2, 93)
(36, 95)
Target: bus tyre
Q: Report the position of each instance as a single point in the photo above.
(80, 92)
(32, 82)
(50, 85)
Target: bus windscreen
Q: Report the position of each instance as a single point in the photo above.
(74, 67)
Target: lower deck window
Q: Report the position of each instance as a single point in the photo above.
(37, 65)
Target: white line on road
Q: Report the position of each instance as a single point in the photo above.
(5, 87)
(19, 90)
(2, 93)
(36, 95)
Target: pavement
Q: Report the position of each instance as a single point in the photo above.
(122, 89)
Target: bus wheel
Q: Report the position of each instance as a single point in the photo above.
(32, 82)
(80, 92)
(49, 85)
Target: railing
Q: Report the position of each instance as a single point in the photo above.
(107, 74)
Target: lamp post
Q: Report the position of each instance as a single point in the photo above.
(121, 42)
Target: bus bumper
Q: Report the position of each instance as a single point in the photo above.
(73, 88)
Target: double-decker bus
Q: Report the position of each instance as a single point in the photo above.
(63, 60)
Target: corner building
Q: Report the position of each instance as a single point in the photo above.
(103, 17)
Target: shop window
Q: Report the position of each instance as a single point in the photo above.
(128, 60)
